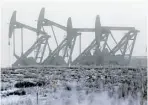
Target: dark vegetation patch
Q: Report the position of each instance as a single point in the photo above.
(26, 84)
(16, 92)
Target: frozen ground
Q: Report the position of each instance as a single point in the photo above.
(77, 86)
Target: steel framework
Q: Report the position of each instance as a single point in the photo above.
(102, 54)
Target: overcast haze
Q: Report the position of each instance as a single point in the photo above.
(83, 15)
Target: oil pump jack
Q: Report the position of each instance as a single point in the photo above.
(103, 54)
(24, 59)
(67, 45)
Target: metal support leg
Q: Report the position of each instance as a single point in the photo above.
(80, 43)
(54, 35)
(22, 49)
(70, 56)
(132, 48)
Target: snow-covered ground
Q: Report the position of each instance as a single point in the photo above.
(72, 97)
(77, 86)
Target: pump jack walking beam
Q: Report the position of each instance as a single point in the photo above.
(42, 21)
(14, 25)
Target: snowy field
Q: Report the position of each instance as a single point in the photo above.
(74, 86)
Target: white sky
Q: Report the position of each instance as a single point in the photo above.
(83, 15)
